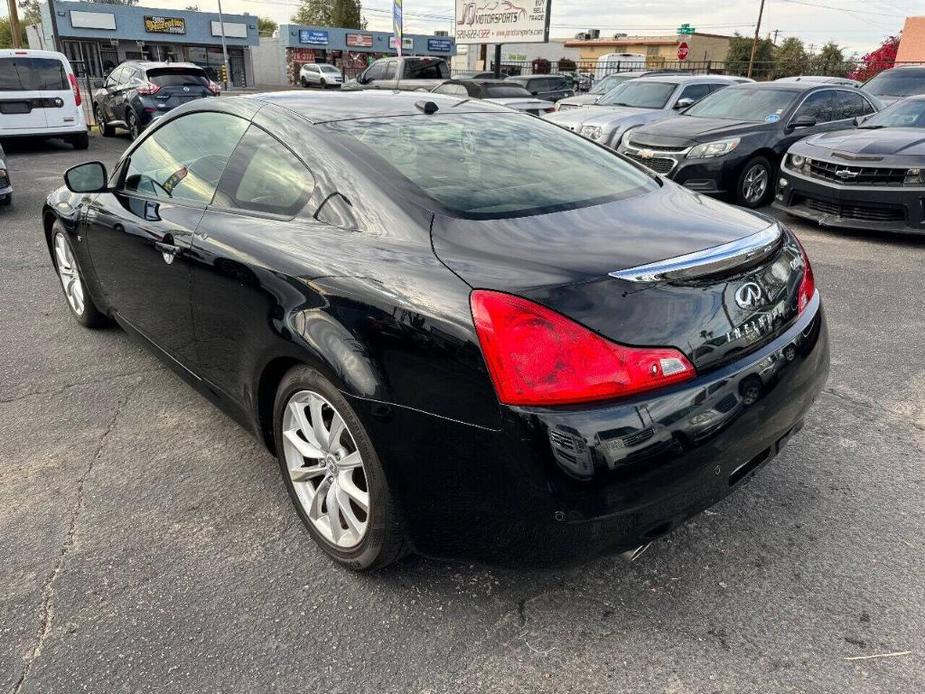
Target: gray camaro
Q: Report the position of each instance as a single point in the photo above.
(639, 102)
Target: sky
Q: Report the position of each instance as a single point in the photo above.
(857, 25)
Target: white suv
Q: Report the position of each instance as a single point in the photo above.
(320, 75)
(40, 97)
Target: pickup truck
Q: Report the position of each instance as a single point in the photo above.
(405, 74)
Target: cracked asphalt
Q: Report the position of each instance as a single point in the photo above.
(147, 544)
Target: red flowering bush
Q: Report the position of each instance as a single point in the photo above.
(878, 60)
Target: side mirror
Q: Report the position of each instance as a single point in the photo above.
(683, 103)
(860, 119)
(802, 122)
(87, 178)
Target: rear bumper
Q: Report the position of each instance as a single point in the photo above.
(43, 132)
(553, 484)
(874, 209)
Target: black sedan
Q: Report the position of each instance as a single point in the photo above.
(869, 178)
(574, 359)
(731, 142)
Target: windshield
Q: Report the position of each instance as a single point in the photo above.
(178, 77)
(608, 83)
(902, 82)
(490, 165)
(505, 91)
(329, 68)
(744, 103)
(32, 74)
(639, 94)
(902, 114)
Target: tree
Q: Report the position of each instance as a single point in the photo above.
(330, 13)
(790, 58)
(6, 35)
(740, 51)
(829, 61)
(880, 59)
(29, 12)
(192, 8)
(266, 26)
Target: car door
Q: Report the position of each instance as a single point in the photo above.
(850, 104)
(140, 236)
(117, 94)
(819, 106)
(106, 94)
(693, 92)
(264, 188)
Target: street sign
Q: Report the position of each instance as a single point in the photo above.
(686, 29)
(683, 50)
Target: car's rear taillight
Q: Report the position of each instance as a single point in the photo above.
(147, 88)
(75, 88)
(215, 88)
(807, 284)
(539, 357)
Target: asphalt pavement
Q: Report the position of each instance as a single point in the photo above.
(148, 544)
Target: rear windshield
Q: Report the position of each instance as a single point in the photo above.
(178, 77)
(32, 74)
(744, 103)
(485, 166)
(426, 70)
(328, 68)
(504, 91)
(639, 94)
(902, 82)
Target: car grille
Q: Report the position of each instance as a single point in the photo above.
(856, 175)
(660, 165)
(656, 148)
(867, 213)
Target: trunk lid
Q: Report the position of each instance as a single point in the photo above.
(591, 264)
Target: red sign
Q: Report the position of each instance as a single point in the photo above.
(360, 40)
(683, 50)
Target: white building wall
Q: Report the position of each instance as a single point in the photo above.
(269, 60)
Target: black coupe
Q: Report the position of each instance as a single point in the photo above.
(731, 142)
(872, 177)
(574, 358)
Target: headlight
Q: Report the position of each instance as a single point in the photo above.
(914, 177)
(797, 161)
(592, 132)
(713, 149)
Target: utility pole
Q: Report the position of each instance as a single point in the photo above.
(221, 21)
(14, 24)
(776, 32)
(751, 61)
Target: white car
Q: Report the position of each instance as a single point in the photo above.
(40, 97)
(6, 188)
(321, 75)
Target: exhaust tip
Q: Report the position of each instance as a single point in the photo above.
(632, 555)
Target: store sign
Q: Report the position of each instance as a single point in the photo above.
(502, 21)
(319, 38)
(360, 40)
(407, 43)
(93, 20)
(155, 24)
(232, 30)
(439, 45)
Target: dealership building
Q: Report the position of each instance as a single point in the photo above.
(97, 37)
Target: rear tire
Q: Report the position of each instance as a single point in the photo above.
(755, 184)
(324, 83)
(81, 141)
(134, 127)
(345, 470)
(78, 298)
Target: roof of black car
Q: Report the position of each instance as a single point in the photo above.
(153, 64)
(322, 107)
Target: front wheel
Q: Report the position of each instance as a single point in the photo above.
(106, 130)
(75, 290)
(754, 188)
(333, 475)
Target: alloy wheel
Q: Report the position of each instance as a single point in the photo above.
(326, 469)
(755, 183)
(100, 121)
(69, 274)
(133, 129)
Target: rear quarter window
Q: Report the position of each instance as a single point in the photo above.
(22, 74)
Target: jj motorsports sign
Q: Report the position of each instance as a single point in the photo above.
(502, 21)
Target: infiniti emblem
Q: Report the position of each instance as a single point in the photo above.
(748, 295)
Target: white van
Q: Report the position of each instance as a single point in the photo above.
(618, 62)
(40, 97)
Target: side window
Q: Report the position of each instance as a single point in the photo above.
(376, 71)
(818, 106)
(695, 92)
(184, 160)
(716, 86)
(264, 176)
(849, 105)
(868, 107)
(391, 70)
(452, 90)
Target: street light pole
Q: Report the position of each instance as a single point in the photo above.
(751, 61)
(221, 21)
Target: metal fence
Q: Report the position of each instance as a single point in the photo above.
(761, 70)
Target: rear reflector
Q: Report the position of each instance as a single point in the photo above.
(75, 88)
(807, 284)
(539, 357)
